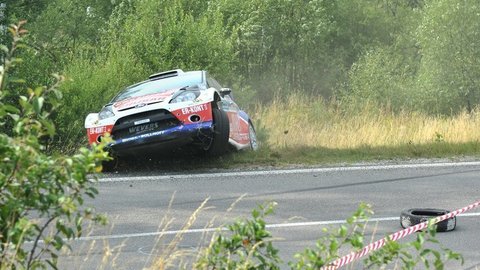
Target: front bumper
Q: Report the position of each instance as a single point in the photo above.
(167, 138)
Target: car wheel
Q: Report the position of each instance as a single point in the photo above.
(415, 216)
(221, 132)
(110, 165)
(252, 136)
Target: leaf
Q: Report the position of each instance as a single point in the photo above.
(21, 81)
(49, 127)
(15, 117)
(38, 91)
(58, 94)
(38, 104)
(4, 48)
(11, 109)
(334, 246)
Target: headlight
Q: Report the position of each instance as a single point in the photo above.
(185, 96)
(105, 113)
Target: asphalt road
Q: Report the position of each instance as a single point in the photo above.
(308, 200)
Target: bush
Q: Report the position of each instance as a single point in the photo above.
(41, 195)
(249, 247)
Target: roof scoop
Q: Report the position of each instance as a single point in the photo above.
(166, 74)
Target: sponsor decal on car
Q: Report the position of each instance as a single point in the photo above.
(94, 132)
(179, 129)
(143, 100)
(142, 128)
(143, 136)
(203, 111)
(195, 109)
(97, 130)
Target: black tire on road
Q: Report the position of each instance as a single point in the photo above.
(415, 216)
(221, 132)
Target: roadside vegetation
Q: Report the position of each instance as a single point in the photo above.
(301, 129)
(41, 195)
(301, 121)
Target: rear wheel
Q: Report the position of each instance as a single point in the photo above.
(252, 136)
(221, 132)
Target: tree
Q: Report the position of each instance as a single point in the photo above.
(386, 73)
(449, 38)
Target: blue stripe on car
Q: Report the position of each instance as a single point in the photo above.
(243, 115)
(182, 128)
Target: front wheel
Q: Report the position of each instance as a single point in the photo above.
(221, 133)
(111, 164)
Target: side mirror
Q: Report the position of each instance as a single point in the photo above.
(225, 91)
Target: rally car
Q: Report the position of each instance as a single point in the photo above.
(173, 109)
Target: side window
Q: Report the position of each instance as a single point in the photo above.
(213, 83)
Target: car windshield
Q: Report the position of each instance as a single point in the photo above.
(160, 86)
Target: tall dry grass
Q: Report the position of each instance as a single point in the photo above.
(299, 121)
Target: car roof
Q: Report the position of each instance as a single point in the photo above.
(170, 74)
(176, 75)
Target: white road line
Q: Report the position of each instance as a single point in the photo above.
(268, 226)
(288, 171)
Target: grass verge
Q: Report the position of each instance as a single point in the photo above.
(303, 156)
(326, 156)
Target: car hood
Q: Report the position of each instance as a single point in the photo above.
(140, 101)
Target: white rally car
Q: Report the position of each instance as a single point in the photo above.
(173, 109)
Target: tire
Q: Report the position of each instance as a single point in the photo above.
(221, 132)
(252, 136)
(110, 165)
(415, 216)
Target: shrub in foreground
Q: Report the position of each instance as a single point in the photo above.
(41, 195)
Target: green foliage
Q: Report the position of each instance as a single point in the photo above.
(92, 85)
(41, 196)
(386, 75)
(249, 247)
(66, 25)
(282, 45)
(429, 67)
(177, 40)
(429, 257)
(327, 248)
(449, 37)
(16, 10)
(383, 77)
